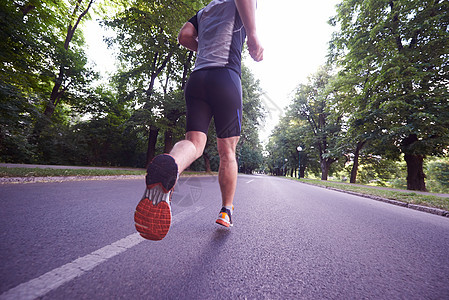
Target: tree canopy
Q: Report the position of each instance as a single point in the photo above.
(394, 54)
(390, 97)
(382, 97)
(53, 112)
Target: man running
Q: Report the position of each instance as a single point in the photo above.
(217, 33)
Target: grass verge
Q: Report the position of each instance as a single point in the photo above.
(48, 172)
(406, 197)
(38, 172)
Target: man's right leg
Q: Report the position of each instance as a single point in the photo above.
(153, 213)
(185, 152)
(227, 177)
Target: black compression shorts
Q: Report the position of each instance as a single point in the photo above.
(214, 93)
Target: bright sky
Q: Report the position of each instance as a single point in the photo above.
(295, 35)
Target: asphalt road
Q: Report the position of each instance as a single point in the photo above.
(76, 240)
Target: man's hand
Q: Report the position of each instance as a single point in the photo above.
(255, 48)
(247, 12)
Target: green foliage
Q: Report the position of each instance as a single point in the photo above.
(34, 50)
(379, 171)
(438, 175)
(146, 34)
(250, 159)
(24, 72)
(249, 150)
(394, 63)
(52, 113)
(315, 105)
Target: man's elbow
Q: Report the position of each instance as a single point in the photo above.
(183, 38)
(187, 36)
(187, 40)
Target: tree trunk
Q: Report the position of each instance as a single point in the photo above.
(25, 9)
(415, 171)
(156, 71)
(152, 139)
(168, 140)
(354, 169)
(325, 166)
(355, 166)
(58, 89)
(207, 162)
(186, 69)
(154, 131)
(55, 95)
(324, 170)
(57, 92)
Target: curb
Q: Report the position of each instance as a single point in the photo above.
(431, 210)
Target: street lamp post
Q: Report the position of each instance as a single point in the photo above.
(299, 148)
(285, 167)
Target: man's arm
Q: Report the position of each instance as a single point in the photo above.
(247, 11)
(188, 37)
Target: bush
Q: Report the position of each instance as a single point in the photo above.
(437, 171)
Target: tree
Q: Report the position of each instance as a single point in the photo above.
(249, 149)
(146, 33)
(34, 50)
(314, 103)
(358, 124)
(290, 133)
(250, 158)
(398, 51)
(110, 136)
(70, 65)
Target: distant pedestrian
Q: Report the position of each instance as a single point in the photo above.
(217, 33)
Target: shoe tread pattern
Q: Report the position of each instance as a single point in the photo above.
(152, 221)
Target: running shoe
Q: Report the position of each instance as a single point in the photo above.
(225, 217)
(153, 213)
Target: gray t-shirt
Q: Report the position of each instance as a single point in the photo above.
(221, 36)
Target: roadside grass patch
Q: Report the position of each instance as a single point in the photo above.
(198, 173)
(407, 197)
(47, 172)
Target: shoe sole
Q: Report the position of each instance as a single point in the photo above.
(223, 223)
(152, 221)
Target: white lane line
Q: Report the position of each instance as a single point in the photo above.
(49, 281)
(250, 181)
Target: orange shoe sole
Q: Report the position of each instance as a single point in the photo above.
(152, 221)
(222, 223)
